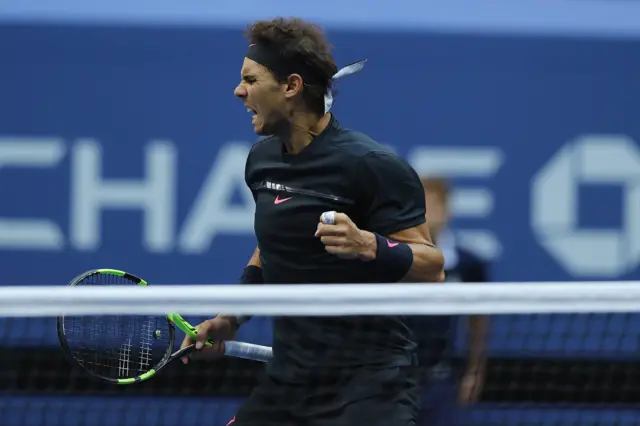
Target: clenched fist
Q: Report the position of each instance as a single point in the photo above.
(341, 237)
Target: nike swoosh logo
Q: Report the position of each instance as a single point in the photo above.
(390, 244)
(280, 200)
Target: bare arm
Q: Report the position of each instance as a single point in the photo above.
(344, 239)
(428, 262)
(392, 196)
(478, 325)
(478, 328)
(255, 258)
(473, 378)
(234, 320)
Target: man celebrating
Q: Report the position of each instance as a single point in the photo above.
(332, 206)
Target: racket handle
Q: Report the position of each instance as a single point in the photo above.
(247, 351)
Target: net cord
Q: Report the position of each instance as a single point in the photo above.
(323, 300)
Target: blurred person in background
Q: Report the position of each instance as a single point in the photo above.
(448, 388)
(332, 206)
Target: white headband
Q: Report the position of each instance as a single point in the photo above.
(348, 70)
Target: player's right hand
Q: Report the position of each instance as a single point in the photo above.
(218, 329)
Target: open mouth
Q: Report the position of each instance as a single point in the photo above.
(255, 114)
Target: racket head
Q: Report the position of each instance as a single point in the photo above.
(119, 349)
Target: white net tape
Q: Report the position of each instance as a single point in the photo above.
(324, 300)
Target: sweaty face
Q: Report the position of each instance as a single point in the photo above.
(263, 97)
(437, 212)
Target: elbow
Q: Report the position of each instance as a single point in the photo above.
(432, 262)
(440, 274)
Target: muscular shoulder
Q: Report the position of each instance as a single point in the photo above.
(389, 190)
(365, 153)
(356, 144)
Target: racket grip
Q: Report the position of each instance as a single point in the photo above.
(247, 351)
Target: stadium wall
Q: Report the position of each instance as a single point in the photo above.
(93, 116)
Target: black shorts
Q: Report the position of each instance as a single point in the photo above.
(362, 397)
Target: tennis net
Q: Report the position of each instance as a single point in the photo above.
(556, 353)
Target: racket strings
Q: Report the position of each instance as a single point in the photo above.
(117, 346)
(146, 343)
(124, 359)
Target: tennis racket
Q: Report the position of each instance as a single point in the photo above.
(126, 349)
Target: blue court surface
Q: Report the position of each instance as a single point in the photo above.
(143, 411)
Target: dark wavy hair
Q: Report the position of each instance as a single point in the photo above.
(300, 40)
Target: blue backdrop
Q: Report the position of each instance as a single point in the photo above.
(124, 147)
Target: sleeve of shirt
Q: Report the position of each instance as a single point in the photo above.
(390, 193)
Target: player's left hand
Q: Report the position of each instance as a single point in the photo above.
(341, 237)
(471, 387)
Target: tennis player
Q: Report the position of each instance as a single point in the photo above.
(332, 206)
(449, 387)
